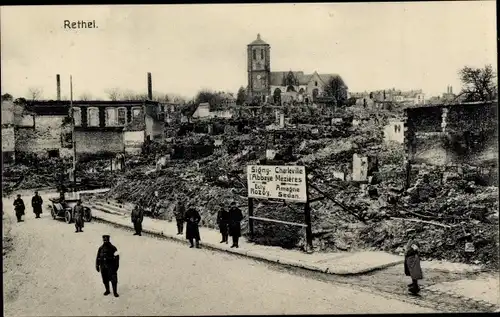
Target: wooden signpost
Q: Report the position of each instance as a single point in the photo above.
(283, 182)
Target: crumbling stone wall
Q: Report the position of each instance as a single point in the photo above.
(45, 136)
(98, 142)
(455, 134)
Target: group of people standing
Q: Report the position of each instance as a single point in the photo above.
(229, 222)
(36, 204)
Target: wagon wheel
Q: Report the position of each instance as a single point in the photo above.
(88, 216)
(67, 216)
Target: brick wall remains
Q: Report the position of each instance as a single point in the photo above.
(45, 136)
(98, 142)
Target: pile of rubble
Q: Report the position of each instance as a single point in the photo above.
(446, 209)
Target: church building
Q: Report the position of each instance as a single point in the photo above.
(283, 86)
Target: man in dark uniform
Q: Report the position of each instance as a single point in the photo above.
(235, 217)
(179, 213)
(78, 212)
(36, 203)
(137, 218)
(192, 231)
(19, 208)
(108, 262)
(223, 222)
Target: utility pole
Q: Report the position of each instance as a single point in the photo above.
(72, 130)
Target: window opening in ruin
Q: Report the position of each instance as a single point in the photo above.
(111, 117)
(136, 112)
(93, 117)
(122, 116)
(53, 153)
(77, 116)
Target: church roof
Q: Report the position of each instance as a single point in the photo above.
(258, 41)
(278, 78)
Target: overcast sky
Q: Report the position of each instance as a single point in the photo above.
(189, 47)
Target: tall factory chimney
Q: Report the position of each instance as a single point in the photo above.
(58, 80)
(150, 87)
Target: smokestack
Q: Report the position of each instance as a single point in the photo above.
(451, 89)
(150, 87)
(58, 80)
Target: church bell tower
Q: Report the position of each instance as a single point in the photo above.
(259, 68)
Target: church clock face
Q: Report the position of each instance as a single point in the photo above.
(259, 81)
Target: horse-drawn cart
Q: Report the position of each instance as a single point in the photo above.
(64, 209)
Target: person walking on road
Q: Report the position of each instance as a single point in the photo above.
(193, 219)
(78, 213)
(107, 263)
(223, 222)
(19, 208)
(412, 265)
(179, 214)
(36, 203)
(235, 218)
(137, 218)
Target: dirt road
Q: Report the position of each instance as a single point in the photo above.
(51, 271)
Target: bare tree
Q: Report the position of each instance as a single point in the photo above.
(86, 96)
(35, 93)
(336, 88)
(113, 93)
(478, 83)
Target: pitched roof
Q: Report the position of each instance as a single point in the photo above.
(258, 41)
(277, 78)
(325, 77)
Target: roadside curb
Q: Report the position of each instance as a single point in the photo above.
(252, 253)
(464, 298)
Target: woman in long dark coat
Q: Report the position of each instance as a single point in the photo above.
(19, 208)
(412, 266)
(235, 217)
(193, 219)
(223, 222)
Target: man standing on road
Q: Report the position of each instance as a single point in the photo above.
(19, 208)
(78, 212)
(223, 222)
(36, 203)
(108, 262)
(192, 230)
(137, 218)
(235, 217)
(179, 213)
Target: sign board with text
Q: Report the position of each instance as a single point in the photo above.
(279, 182)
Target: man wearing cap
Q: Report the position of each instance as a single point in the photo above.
(36, 203)
(19, 208)
(137, 218)
(108, 262)
(235, 217)
(78, 212)
(179, 213)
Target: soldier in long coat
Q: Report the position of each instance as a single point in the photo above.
(235, 218)
(19, 208)
(412, 266)
(78, 213)
(137, 218)
(107, 262)
(179, 214)
(193, 219)
(36, 203)
(223, 222)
